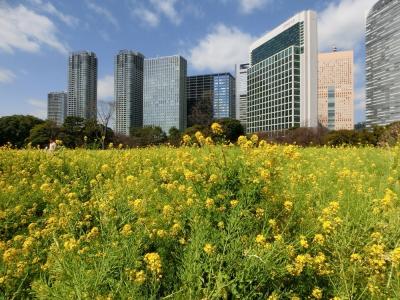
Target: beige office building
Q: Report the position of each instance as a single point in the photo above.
(336, 90)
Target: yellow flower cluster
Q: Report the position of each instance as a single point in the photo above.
(209, 248)
(153, 263)
(329, 219)
(217, 129)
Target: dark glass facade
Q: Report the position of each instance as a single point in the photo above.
(210, 97)
(200, 93)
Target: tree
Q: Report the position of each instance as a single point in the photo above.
(389, 136)
(72, 132)
(205, 130)
(106, 110)
(303, 136)
(148, 135)
(96, 135)
(232, 129)
(16, 129)
(174, 137)
(41, 134)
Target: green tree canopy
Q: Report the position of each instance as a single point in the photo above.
(149, 135)
(41, 134)
(72, 132)
(232, 129)
(16, 129)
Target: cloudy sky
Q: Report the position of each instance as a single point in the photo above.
(213, 35)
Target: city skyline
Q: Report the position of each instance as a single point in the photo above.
(197, 38)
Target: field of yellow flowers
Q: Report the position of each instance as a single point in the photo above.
(255, 221)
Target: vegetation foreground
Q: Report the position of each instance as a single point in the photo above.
(217, 222)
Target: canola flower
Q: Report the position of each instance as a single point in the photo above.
(217, 129)
(153, 263)
(179, 222)
(209, 248)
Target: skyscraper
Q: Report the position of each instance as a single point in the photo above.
(336, 90)
(164, 93)
(57, 107)
(224, 96)
(128, 89)
(383, 63)
(82, 85)
(210, 96)
(241, 92)
(200, 98)
(282, 78)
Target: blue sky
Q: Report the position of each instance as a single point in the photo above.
(213, 35)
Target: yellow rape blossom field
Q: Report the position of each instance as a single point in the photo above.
(256, 221)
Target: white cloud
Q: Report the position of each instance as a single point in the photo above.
(248, 6)
(21, 28)
(39, 108)
(151, 11)
(102, 11)
(167, 8)
(6, 76)
(342, 24)
(50, 9)
(221, 49)
(147, 16)
(105, 88)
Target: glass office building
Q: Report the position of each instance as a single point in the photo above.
(383, 63)
(282, 78)
(241, 92)
(82, 85)
(57, 107)
(210, 97)
(164, 92)
(224, 96)
(128, 89)
(200, 94)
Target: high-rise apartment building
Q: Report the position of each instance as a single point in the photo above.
(336, 90)
(82, 85)
(128, 89)
(210, 97)
(164, 95)
(282, 78)
(383, 63)
(241, 93)
(57, 107)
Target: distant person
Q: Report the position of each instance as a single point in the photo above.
(52, 145)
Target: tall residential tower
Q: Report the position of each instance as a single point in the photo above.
(128, 89)
(82, 85)
(282, 79)
(57, 107)
(336, 90)
(383, 63)
(164, 95)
